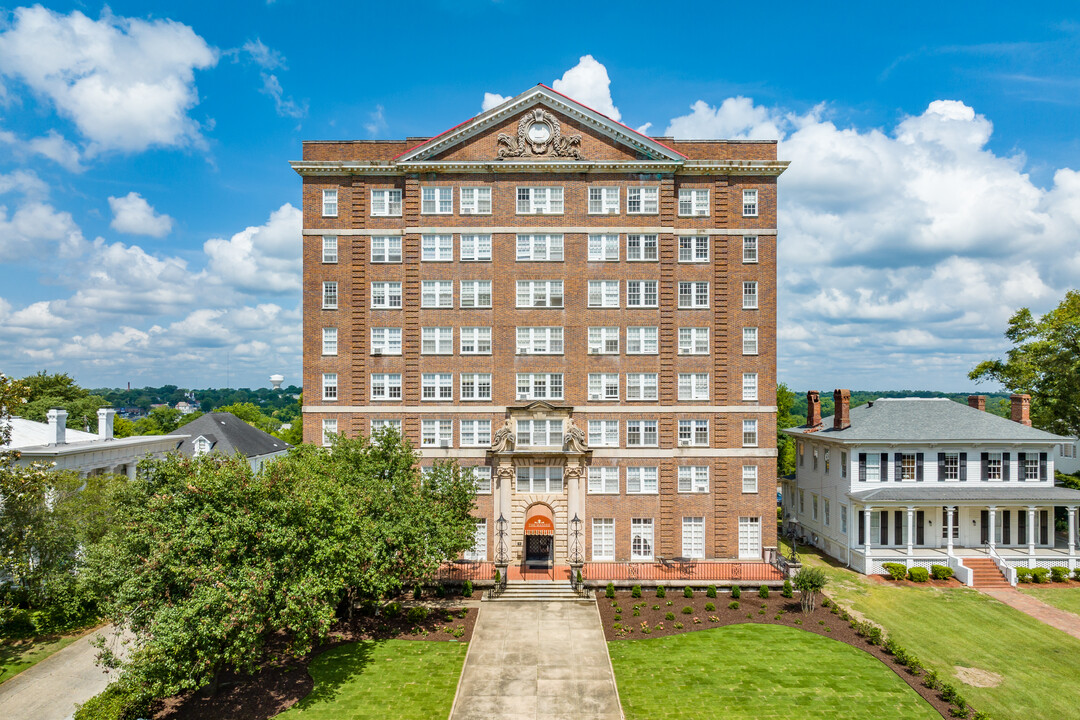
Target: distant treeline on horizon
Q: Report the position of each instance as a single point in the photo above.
(997, 403)
(205, 399)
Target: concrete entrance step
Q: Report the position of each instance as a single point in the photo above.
(538, 591)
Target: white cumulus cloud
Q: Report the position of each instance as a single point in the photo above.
(132, 215)
(589, 84)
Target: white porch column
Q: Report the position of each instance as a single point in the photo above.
(1031, 530)
(910, 530)
(990, 533)
(948, 530)
(132, 467)
(1072, 531)
(866, 534)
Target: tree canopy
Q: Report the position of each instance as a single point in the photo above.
(58, 390)
(785, 401)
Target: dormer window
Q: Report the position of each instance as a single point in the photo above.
(202, 446)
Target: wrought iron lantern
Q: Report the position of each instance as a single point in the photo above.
(501, 556)
(575, 541)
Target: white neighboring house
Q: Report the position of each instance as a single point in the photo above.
(1065, 459)
(929, 481)
(185, 408)
(222, 432)
(86, 453)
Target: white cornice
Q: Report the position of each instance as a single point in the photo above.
(525, 229)
(327, 168)
(584, 409)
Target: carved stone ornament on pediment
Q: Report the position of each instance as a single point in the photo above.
(575, 439)
(504, 438)
(539, 133)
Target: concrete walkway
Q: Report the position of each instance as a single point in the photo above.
(51, 689)
(1052, 616)
(537, 660)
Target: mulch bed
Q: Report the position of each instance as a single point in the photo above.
(752, 609)
(931, 582)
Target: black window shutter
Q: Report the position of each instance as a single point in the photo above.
(1005, 466)
(898, 462)
(862, 467)
(918, 467)
(1021, 526)
(1021, 458)
(898, 525)
(1006, 530)
(1042, 466)
(862, 527)
(985, 466)
(941, 467)
(1043, 527)
(963, 466)
(920, 520)
(884, 467)
(984, 526)
(884, 527)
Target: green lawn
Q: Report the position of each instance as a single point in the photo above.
(381, 679)
(768, 672)
(1063, 598)
(17, 655)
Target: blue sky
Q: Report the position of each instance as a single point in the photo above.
(149, 227)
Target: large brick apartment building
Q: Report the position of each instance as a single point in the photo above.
(583, 314)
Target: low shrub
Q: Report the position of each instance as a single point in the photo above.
(637, 613)
(710, 591)
(1059, 574)
(918, 574)
(417, 614)
(440, 591)
(392, 610)
(115, 702)
(635, 592)
(660, 591)
(467, 589)
(688, 592)
(787, 591)
(655, 607)
(678, 626)
(417, 591)
(1076, 574)
(931, 679)
(709, 607)
(1040, 575)
(896, 571)
(609, 591)
(687, 610)
(763, 591)
(941, 572)
(1023, 574)
(669, 616)
(736, 592)
(733, 605)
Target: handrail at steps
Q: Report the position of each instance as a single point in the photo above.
(1006, 569)
(961, 571)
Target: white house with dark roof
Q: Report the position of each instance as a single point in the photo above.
(222, 432)
(925, 481)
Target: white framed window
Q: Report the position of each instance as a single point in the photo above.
(603, 480)
(603, 386)
(749, 203)
(482, 473)
(436, 293)
(539, 479)
(604, 293)
(539, 248)
(641, 386)
(386, 340)
(329, 295)
(802, 502)
(385, 248)
(329, 341)
(749, 433)
(604, 248)
(749, 249)
(329, 203)
(385, 203)
(539, 386)
(603, 433)
(329, 386)
(329, 429)
(386, 295)
(643, 200)
(641, 293)
(380, 424)
(437, 248)
(749, 341)
(693, 478)
(693, 341)
(475, 201)
(539, 293)
(694, 433)
(603, 539)
(475, 386)
(693, 537)
(478, 553)
(539, 341)
(843, 464)
(329, 249)
(436, 386)
(693, 202)
(693, 248)
(873, 467)
(843, 518)
(437, 341)
(475, 294)
(641, 480)
(603, 341)
(386, 386)
(825, 508)
(642, 248)
(603, 200)
(814, 506)
(749, 478)
(540, 433)
(539, 201)
(475, 340)
(436, 200)
(475, 248)
(693, 386)
(749, 295)
(749, 387)
(437, 433)
(951, 467)
(642, 433)
(828, 461)
(1031, 467)
(475, 433)
(693, 294)
(641, 539)
(993, 466)
(642, 340)
(749, 537)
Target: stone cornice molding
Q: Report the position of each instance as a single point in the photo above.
(328, 168)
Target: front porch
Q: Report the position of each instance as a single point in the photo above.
(925, 557)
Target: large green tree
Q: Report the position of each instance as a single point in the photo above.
(58, 390)
(785, 401)
(1044, 362)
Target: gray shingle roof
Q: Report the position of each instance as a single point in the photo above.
(967, 492)
(228, 434)
(926, 420)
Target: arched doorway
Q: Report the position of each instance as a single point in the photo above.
(539, 536)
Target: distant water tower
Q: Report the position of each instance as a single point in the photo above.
(276, 380)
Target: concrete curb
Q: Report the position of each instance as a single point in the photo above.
(611, 668)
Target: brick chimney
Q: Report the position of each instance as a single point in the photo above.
(1021, 408)
(105, 423)
(813, 409)
(978, 402)
(57, 426)
(842, 409)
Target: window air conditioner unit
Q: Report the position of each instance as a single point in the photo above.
(445, 444)
(594, 351)
(376, 351)
(684, 351)
(684, 443)
(523, 396)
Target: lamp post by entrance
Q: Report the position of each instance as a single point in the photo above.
(502, 559)
(576, 557)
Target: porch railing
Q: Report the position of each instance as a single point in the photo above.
(1006, 569)
(961, 571)
(462, 570)
(673, 571)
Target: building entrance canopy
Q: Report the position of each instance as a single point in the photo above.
(539, 521)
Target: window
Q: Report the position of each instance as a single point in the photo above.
(814, 506)
(825, 508)
(475, 340)
(539, 341)
(843, 464)
(641, 480)
(329, 248)
(749, 203)
(603, 539)
(437, 386)
(873, 467)
(1031, 467)
(329, 203)
(694, 432)
(827, 461)
(436, 433)
(641, 293)
(641, 386)
(385, 249)
(386, 341)
(540, 433)
(603, 341)
(539, 200)
(749, 249)
(603, 433)
(693, 294)
(693, 537)
(693, 386)
(475, 201)
(993, 466)
(603, 201)
(386, 295)
(436, 293)
(603, 248)
(437, 248)
(603, 480)
(693, 478)
(380, 424)
(385, 202)
(642, 200)
(436, 200)
(693, 202)
(437, 341)
(475, 248)
(749, 389)
(475, 433)
(604, 293)
(694, 341)
(478, 553)
(641, 340)
(749, 478)
(749, 433)
(802, 502)
(641, 433)
(329, 296)
(641, 539)
(475, 386)
(475, 294)
(815, 458)
(539, 293)
(386, 386)
(641, 247)
(843, 518)
(329, 341)
(603, 386)
(693, 248)
(749, 295)
(749, 341)
(540, 248)
(799, 452)
(950, 468)
(329, 429)
(539, 386)
(329, 386)
(539, 479)
(907, 466)
(482, 473)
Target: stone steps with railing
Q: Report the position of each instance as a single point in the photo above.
(537, 591)
(985, 573)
